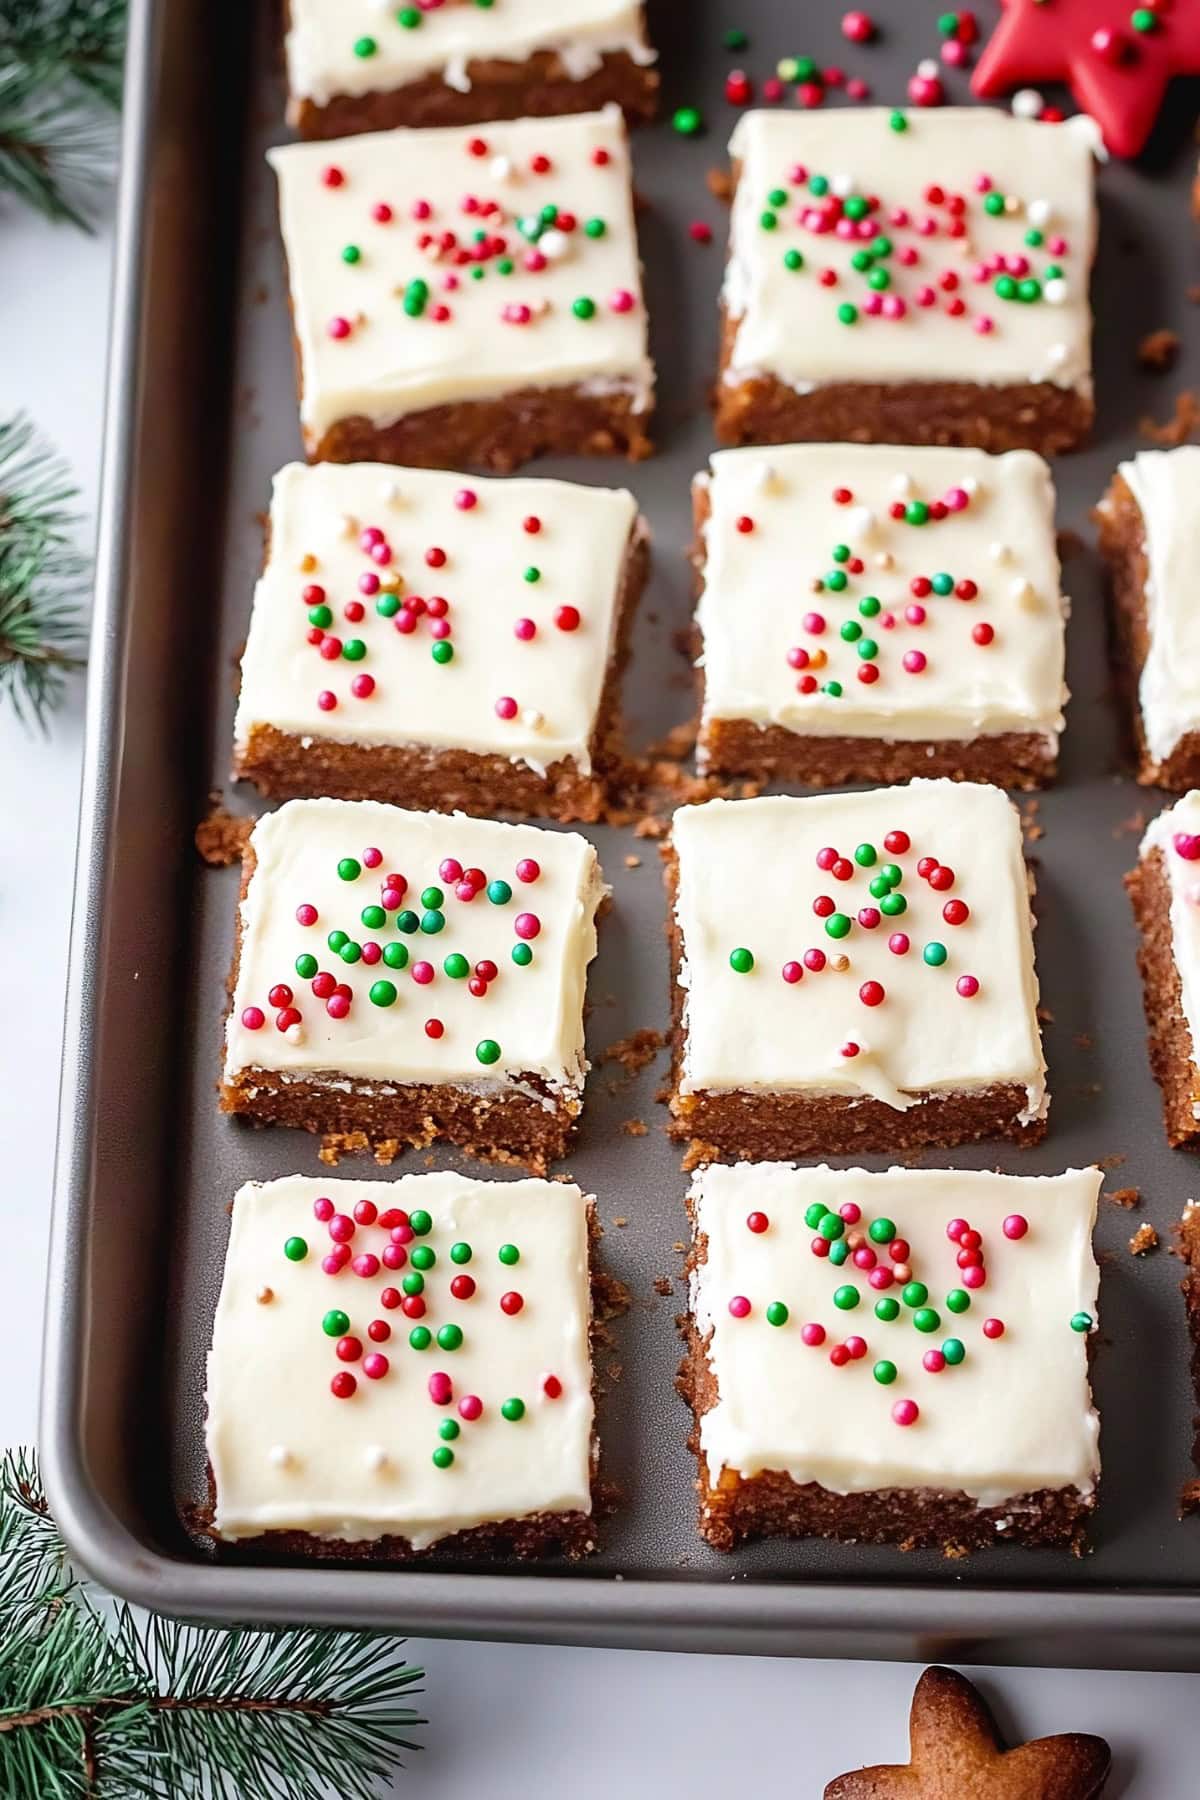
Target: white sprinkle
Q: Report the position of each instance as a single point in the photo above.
(763, 478)
(554, 245)
(1013, 203)
(294, 1034)
(1056, 355)
(927, 69)
(279, 1455)
(389, 492)
(999, 552)
(349, 525)
(1040, 213)
(1027, 103)
(902, 485)
(1056, 291)
(970, 485)
(860, 523)
(500, 168)
(1023, 593)
(842, 185)
(375, 1456)
(533, 718)
(884, 560)
(1084, 126)
(839, 964)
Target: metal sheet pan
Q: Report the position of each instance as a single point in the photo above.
(201, 410)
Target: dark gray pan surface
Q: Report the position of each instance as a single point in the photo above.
(203, 410)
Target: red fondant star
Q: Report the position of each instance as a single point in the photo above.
(1115, 56)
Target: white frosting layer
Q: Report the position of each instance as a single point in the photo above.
(1170, 833)
(1012, 1417)
(577, 556)
(757, 592)
(534, 1013)
(289, 1455)
(788, 321)
(1166, 486)
(322, 60)
(394, 361)
(748, 879)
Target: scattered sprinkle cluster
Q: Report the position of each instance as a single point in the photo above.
(390, 914)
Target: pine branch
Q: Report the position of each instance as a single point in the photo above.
(93, 1709)
(79, 40)
(41, 621)
(55, 152)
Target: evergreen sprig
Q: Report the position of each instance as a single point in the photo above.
(100, 1706)
(41, 619)
(58, 58)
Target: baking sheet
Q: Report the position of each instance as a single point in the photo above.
(203, 412)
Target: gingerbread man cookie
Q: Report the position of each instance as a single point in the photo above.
(955, 1752)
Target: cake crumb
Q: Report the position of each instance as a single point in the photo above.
(1128, 1197)
(633, 862)
(1189, 1498)
(1144, 1239)
(1045, 1016)
(720, 184)
(1179, 427)
(620, 1221)
(1159, 350)
(697, 1154)
(636, 1051)
(1133, 826)
(1113, 1161)
(634, 1127)
(220, 838)
(651, 825)
(664, 1286)
(1083, 1040)
(678, 743)
(386, 1152)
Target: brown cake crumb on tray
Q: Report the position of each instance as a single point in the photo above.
(1172, 1053)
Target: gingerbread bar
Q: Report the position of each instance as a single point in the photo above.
(908, 278)
(932, 641)
(853, 972)
(400, 1366)
(404, 976)
(446, 642)
(1165, 891)
(463, 297)
(1149, 525)
(358, 67)
(896, 1358)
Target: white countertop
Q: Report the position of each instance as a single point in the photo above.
(505, 1722)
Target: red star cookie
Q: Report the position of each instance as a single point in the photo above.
(955, 1753)
(1116, 57)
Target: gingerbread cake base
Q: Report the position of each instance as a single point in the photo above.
(778, 1126)
(537, 88)
(1189, 1287)
(1170, 1039)
(499, 1126)
(1010, 759)
(284, 766)
(497, 434)
(1122, 534)
(771, 1504)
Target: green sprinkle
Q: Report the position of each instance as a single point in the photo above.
(1029, 290)
(926, 1319)
(421, 1222)
(941, 583)
(846, 1298)
(914, 1293)
(868, 649)
(423, 1257)
(409, 17)
(814, 1212)
(321, 616)
(1143, 19)
(336, 939)
(387, 605)
(449, 1337)
(687, 121)
(861, 261)
(993, 203)
(847, 313)
(934, 954)
(522, 955)
(870, 606)
(306, 965)
(420, 1337)
(407, 921)
(793, 260)
(893, 905)
(1081, 1321)
(878, 280)
(396, 955)
(1004, 287)
(892, 873)
(456, 966)
(531, 574)
(365, 46)
(777, 1313)
(837, 925)
(382, 993)
(335, 1323)
(499, 893)
(777, 197)
(851, 631)
(865, 855)
(733, 39)
(887, 1309)
(583, 308)
(818, 185)
(898, 122)
(351, 254)
(768, 221)
(595, 228)
(373, 917)
(413, 1284)
(832, 1226)
(1035, 238)
(838, 1252)
(460, 1253)
(443, 1456)
(513, 1410)
(350, 952)
(954, 1350)
(442, 651)
(349, 869)
(884, 1373)
(449, 1428)
(295, 1249)
(487, 1050)
(837, 580)
(741, 961)
(958, 1300)
(432, 922)
(881, 1231)
(508, 1255)
(916, 513)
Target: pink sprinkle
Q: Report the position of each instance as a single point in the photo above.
(814, 622)
(934, 1361)
(371, 953)
(974, 1278)
(1187, 845)
(422, 973)
(332, 1264)
(915, 614)
(527, 925)
(914, 661)
(506, 707)
(372, 857)
(893, 307)
(339, 327)
(306, 914)
(525, 629)
(864, 1257)
(772, 89)
(700, 232)
(874, 305)
(253, 1018)
(337, 1006)
(621, 300)
(366, 1265)
(362, 687)
(925, 296)
(906, 1412)
(1016, 1225)
(993, 1328)
(899, 215)
(881, 1277)
(739, 1306)
(814, 960)
(341, 1228)
(441, 1388)
(898, 943)
(368, 583)
(421, 209)
(954, 53)
(393, 1256)
(375, 1365)
(516, 313)
(955, 1229)
(528, 869)
(967, 986)
(792, 972)
(323, 1209)
(1057, 246)
(856, 89)
(470, 1407)
(466, 499)
(812, 1335)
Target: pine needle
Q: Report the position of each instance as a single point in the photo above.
(56, 152)
(93, 1708)
(80, 40)
(41, 573)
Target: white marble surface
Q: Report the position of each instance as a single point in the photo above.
(506, 1722)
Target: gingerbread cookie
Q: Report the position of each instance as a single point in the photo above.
(955, 1752)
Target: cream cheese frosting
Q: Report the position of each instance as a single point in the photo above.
(818, 958)
(1010, 1415)
(811, 579)
(386, 235)
(523, 577)
(928, 232)
(1176, 834)
(291, 1453)
(363, 46)
(1166, 486)
(407, 949)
